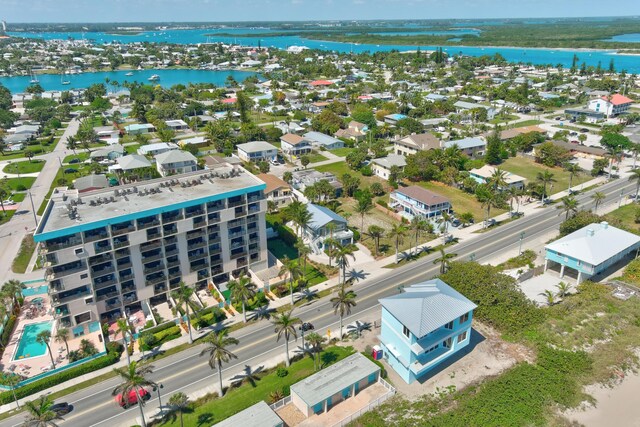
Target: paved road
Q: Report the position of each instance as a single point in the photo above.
(23, 221)
(189, 373)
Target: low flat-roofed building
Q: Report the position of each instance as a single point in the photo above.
(482, 176)
(157, 148)
(258, 415)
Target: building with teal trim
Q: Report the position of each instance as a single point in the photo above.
(114, 251)
(424, 326)
(591, 250)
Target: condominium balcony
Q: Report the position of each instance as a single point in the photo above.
(94, 236)
(142, 224)
(155, 280)
(154, 268)
(152, 257)
(106, 269)
(51, 247)
(240, 212)
(97, 285)
(118, 231)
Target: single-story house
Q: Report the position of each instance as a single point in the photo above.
(130, 162)
(417, 201)
(301, 179)
(90, 183)
(111, 152)
(157, 148)
(258, 415)
(413, 143)
(512, 133)
(472, 147)
(176, 124)
(139, 128)
(277, 191)
(257, 151)
(175, 162)
(354, 131)
(434, 123)
(28, 129)
(393, 119)
(196, 141)
(294, 145)
(318, 230)
(19, 138)
(107, 132)
(462, 107)
(591, 250)
(382, 166)
(319, 139)
(483, 174)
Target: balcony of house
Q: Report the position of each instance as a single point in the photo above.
(192, 211)
(173, 216)
(216, 206)
(97, 234)
(170, 229)
(213, 217)
(153, 267)
(56, 286)
(254, 208)
(199, 221)
(122, 228)
(124, 263)
(127, 286)
(254, 238)
(197, 243)
(431, 339)
(60, 310)
(175, 283)
(159, 289)
(174, 272)
(196, 233)
(121, 242)
(236, 223)
(254, 247)
(111, 303)
(237, 242)
(240, 212)
(216, 255)
(428, 360)
(237, 253)
(50, 259)
(216, 269)
(220, 279)
(121, 253)
(241, 262)
(236, 232)
(104, 281)
(61, 243)
(196, 254)
(214, 237)
(155, 279)
(59, 271)
(255, 197)
(67, 296)
(102, 246)
(152, 255)
(102, 269)
(236, 201)
(151, 221)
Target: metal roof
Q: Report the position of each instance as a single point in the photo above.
(256, 146)
(258, 415)
(427, 306)
(594, 243)
(337, 377)
(465, 143)
(321, 216)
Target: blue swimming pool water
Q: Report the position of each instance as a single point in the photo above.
(28, 346)
(39, 290)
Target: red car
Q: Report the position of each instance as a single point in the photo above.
(132, 398)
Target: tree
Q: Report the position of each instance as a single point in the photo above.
(494, 149)
(303, 254)
(362, 208)
(342, 303)
(635, 176)
(179, 403)
(13, 288)
(549, 296)
(350, 184)
(133, 378)
(418, 225)
(62, 335)
(376, 233)
(10, 379)
(216, 344)
(498, 179)
(377, 189)
(597, 197)
(327, 122)
(244, 104)
(40, 413)
(242, 290)
(569, 206)
(563, 289)
(304, 160)
(443, 220)
(574, 169)
(444, 260)
(342, 253)
(578, 221)
(545, 178)
(285, 325)
(551, 155)
(291, 269)
(397, 232)
(287, 177)
(182, 296)
(488, 199)
(166, 134)
(315, 341)
(44, 337)
(355, 158)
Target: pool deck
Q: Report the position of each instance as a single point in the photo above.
(32, 366)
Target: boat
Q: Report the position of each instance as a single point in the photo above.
(154, 78)
(63, 81)
(129, 74)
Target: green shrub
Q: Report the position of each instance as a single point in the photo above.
(149, 340)
(282, 372)
(383, 204)
(8, 329)
(163, 335)
(161, 328)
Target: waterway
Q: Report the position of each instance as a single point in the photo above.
(626, 38)
(167, 78)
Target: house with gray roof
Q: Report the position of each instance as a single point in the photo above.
(382, 166)
(591, 250)
(319, 139)
(90, 183)
(130, 163)
(462, 107)
(423, 326)
(257, 151)
(325, 224)
(258, 415)
(473, 147)
(175, 162)
(111, 152)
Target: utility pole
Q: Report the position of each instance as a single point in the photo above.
(521, 238)
(33, 208)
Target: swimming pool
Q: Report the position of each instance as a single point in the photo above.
(39, 290)
(28, 346)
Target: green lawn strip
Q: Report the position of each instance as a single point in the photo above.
(80, 156)
(19, 184)
(21, 261)
(460, 200)
(24, 167)
(132, 149)
(342, 152)
(239, 398)
(18, 197)
(525, 123)
(626, 215)
(316, 157)
(6, 216)
(280, 249)
(529, 169)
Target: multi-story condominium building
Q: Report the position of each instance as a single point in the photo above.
(423, 326)
(417, 201)
(113, 251)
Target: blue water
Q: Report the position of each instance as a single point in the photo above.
(626, 38)
(534, 56)
(39, 290)
(28, 346)
(167, 78)
(460, 32)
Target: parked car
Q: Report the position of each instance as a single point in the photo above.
(584, 130)
(575, 141)
(8, 202)
(557, 118)
(74, 161)
(132, 399)
(306, 326)
(70, 170)
(573, 133)
(62, 408)
(455, 222)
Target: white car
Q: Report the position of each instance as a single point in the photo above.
(8, 202)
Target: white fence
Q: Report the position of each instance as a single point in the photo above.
(280, 403)
(370, 406)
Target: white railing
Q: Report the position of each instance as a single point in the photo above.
(280, 403)
(379, 401)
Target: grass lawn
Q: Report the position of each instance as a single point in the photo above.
(20, 184)
(340, 168)
(6, 215)
(503, 119)
(529, 169)
(342, 152)
(280, 249)
(21, 261)
(18, 197)
(240, 398)
(627, 216)
(24, 167)
(80, 156)
(132, 149)
(315, 157)
(12, 155)
(526, 123)
(461, 201)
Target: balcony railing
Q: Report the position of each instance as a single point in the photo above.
(121, 231)
(153, 269)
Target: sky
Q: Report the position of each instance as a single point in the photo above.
(301, 10)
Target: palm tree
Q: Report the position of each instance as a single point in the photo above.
(182, 297)
(342, 253)
(242, 290)
(178, 403)
(488, 199)
(291, 269)
(397, 232)
(418, 225)
(11, 380)
(216, 344)
(498, 179)
(563, 289)
(125, 328)
(13, 288)
(363, 207)
(133, 379)
(635, 176)
(549, 296)
(40, 413)
(376, 232)
(331, 227)
(614, 153)
(342, 303)
(443, 220)
(44, 337)
(545, 178)
(285, 325)
(62, 335)
(635, 149)
(569, 206)
(303, 254)
(574, 169)
(597, 197)
(72, 144)
(444, 260)
(315, 341)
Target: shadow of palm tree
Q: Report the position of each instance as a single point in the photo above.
(305, 294)
(170, 414)
(356, 275)
(328, 358)
(248, 375)
(358, 327)
(205, 419)
(152, 354)
(259, 313)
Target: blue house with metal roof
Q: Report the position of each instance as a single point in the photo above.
(325, 224)
(423, 326)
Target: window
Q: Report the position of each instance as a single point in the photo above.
(449, 325)
(462, 336)
(406, 332)
(447, 343)
(84, 276)
(464, 318)
(431, 349)
(79, 251)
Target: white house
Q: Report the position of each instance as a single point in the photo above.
(382, 167)
(319, 139)
(611, 105)
(257, 151)
(294, 145)
(483, 174)
(177, 124)
(413, 143)
(176, 162)
(157, 148)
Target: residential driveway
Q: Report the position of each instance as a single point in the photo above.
(537, 285)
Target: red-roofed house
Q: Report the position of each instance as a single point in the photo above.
(319, 83)
(612, 106)
(229, 100)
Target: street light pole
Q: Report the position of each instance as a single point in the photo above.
(521, 238)
(620, 200)
(33, 208)
(158, 387)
